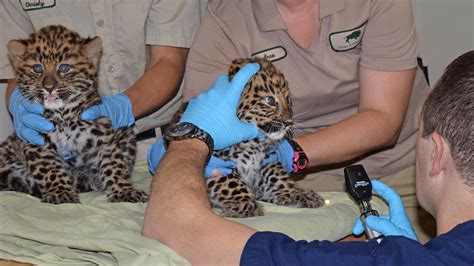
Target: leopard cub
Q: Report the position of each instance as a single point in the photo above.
(58, 69)
(266, 103)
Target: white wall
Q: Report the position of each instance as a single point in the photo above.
(445, 31)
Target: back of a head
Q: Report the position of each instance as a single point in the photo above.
(449, 111)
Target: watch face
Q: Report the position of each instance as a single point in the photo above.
(180, 129)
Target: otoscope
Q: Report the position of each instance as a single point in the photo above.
(360, 188)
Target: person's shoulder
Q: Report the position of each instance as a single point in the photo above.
(224, 4)
(226, 8)
(463, 230)
(233, 17)
(10, 5)
(378, 5)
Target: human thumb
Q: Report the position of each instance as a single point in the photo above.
(358, 227)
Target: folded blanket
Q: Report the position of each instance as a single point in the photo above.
(103, 233)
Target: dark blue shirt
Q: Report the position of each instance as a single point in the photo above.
(453, 248)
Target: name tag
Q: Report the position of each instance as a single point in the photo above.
(29, 5)
(272, 54)
(348, 39)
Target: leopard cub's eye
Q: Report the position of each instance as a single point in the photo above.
(270, 100)
(64, 68)
(37, 68)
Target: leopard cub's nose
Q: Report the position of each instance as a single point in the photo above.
(49, 83)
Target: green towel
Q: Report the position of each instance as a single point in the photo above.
(103, 233)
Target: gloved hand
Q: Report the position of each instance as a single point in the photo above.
(117, 108)
(157, 151)
(283, 153)
(396, 223)
(214, 110)
(28, 119)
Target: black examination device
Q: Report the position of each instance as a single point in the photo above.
(360, 188)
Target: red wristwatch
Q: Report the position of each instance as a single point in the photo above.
(300, 160)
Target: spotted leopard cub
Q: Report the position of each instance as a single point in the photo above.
(266, 103)
(57, 68)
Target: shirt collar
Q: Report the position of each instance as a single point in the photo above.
(268, 18)
(329, 7)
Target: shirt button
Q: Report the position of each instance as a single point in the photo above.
(111, 69)
(100, 23)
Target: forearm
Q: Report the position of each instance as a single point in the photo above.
(383, 101)
(159, 84)
(349, 139)
(179, 213)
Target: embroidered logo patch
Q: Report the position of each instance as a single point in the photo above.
(272, 54)
(348, 39)
(29, 5)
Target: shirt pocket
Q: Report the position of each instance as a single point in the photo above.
(40, 20)
(129, 19)
(74, 15)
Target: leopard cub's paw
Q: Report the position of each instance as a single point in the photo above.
(283, 199)
(308, 199)
(59, 197)
(241, 209)
(128, 194)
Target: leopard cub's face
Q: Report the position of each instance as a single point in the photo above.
(265, 101)
(55, 67)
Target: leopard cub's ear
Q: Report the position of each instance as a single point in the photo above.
(16, 49)
(236, 65)
(92, 48)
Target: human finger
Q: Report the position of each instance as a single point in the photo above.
(33, 107)
(394, 201)
(382, 226)
(32, 136)
(91, 113)
(37, 122)
(240, 80)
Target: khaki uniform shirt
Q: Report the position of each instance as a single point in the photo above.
(324, 80)
(125, 26)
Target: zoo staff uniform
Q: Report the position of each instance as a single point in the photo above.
(453, 248)
(323, 79)
(125, 27)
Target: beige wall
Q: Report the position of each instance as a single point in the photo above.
(445, 30)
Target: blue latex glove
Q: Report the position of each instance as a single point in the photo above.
(157, 151)
(396, 223)
(214, 110)
(28, 119)
(283, 153)
(117, 108)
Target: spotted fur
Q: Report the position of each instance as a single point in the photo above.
(57, 68)
(265, 102)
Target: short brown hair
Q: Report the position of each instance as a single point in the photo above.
(449, 111)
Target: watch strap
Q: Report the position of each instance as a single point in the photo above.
(206, 138)
(196, 133)
(300, 160)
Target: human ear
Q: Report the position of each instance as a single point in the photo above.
(437, 154)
